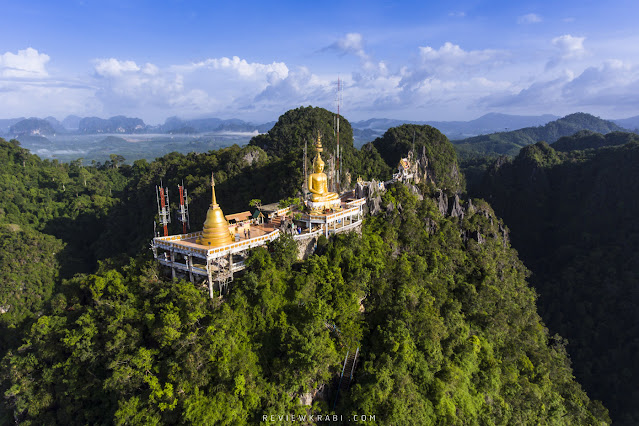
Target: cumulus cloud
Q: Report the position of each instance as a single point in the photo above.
(208, 86)
(450, 56)
(112, 67)
(449, 63)
(538, 94)
(567, 48)
(26, 63)
(27, 89)
(351, 43)
(299, 87)
(608, 88)
(611, 83)
(126, 79)
(530, 18)
(241, 67)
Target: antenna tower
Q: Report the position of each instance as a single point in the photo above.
(338, 153)
(183, 209)
(162, 196)
(305, 186)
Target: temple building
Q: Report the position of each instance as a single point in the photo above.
(213, 255)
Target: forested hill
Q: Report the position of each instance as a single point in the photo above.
(587, 139)
(32, 126)
(509, 143)
(429, 145)
(430, 291)
(573, 218)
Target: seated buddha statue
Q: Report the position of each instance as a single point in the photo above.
(318, 182)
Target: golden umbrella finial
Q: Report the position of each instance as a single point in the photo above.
(318, 145)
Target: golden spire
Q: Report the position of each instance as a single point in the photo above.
(216, 228)
(214, 201)
(318, 163)
(318, 145)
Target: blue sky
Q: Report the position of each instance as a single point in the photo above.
(255, 60)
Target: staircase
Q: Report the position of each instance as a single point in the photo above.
(347, 373)
(276, 222)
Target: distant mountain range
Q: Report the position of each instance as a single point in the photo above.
(363, 131)
(509, 143)
(488, 123)
(202, 125)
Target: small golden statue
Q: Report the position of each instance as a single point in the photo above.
(318, 182)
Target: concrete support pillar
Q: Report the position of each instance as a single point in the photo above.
(172, 264)
(208, 271)
(189, 260)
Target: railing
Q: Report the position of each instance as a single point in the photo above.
(308, 234)
(171, 242)
(331, 217)
(345, 227)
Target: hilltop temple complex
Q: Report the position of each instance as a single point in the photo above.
(213, 255)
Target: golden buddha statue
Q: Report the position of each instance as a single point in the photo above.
(318, 182)
(216, 228)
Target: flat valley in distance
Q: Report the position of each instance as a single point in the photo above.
(95, 140)
(67, 147)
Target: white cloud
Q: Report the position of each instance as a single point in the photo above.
(351, 43)
(611, 83)
(607, 89)
(451, 56)
(569, 46)
(112, 67)
(26, 63)
(530, 18)
(241, 67)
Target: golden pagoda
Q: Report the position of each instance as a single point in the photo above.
(216, 228)
(321, 198)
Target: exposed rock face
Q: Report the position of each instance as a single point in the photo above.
(372, 192)
(452, 208)
(442, 203)
(415, 191)
(504, 233)
(456, 209)
(306, 399)
(319, 394)
(374, 204)
(306, 247)
(471, 208)
(361, 191)
(251, 157)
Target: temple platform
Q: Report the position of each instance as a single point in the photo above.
(345, 216)
(182, 253)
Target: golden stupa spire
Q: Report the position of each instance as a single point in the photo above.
(214, 201)
(216, 228)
